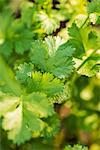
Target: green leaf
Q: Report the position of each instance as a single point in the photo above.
(94, 6)
(23, 72)
(49, 23)
(23, 41)
(75, 147)
(38, 103)
(52, 128)
(15, 35)
(65, 95)
(74, 32)
(39, 54)
(6, 19)
(98, 20)
(90, 38)
(61, 64)
(46, 83)
(6, 43)
(79, 52)
(20, 123)
(23, 117)
(27, 13)
(76, 41)
(53, 43)
(7, 103)
(3, 4)
(6, 48)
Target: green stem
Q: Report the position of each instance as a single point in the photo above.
(84, 22)
(86, 60)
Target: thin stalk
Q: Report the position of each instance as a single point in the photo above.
(86, 60)
(84, 22)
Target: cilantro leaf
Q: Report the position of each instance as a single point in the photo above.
(39, 54)
(7, 103)
(64, 96)
(75, 147)
(46, 83)
(24, 37)
(20, 123)
(60, 64)
(90, 38)
(76, 41)
(24, 119)
(35, 102)
(94, 6)
(23, 72)
(36, 81)
(14, 35)
(49, 23)
(53, 43)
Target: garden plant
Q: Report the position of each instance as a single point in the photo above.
(49, 74)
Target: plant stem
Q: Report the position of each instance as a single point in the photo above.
(84, 22)
(86, 60)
